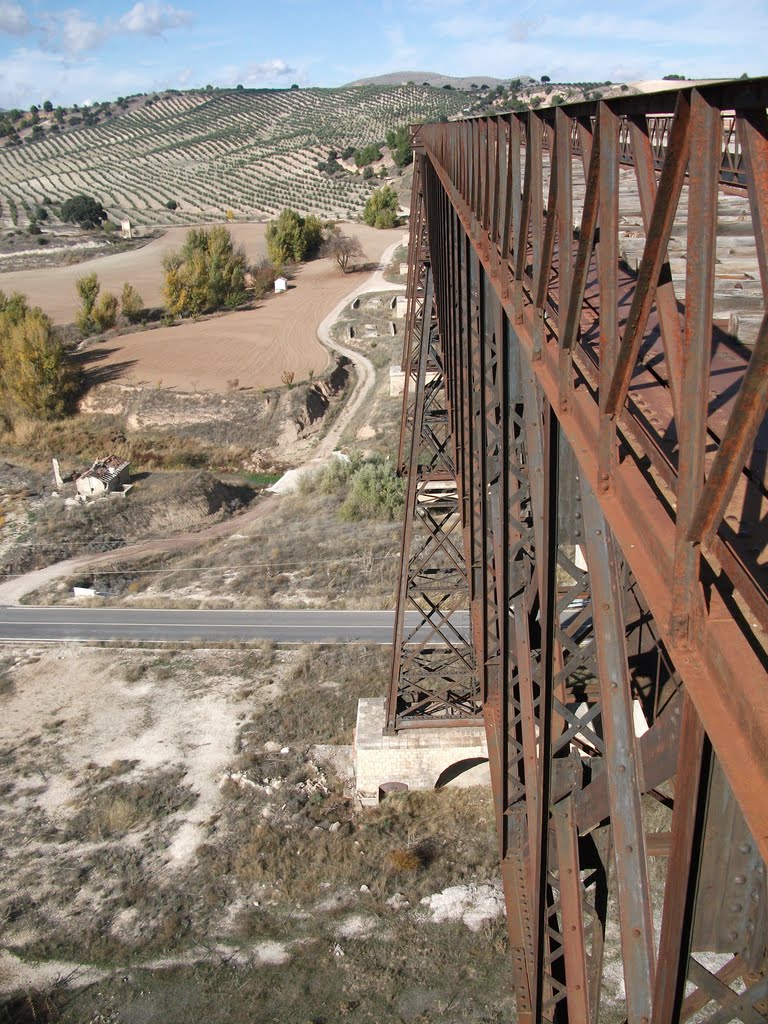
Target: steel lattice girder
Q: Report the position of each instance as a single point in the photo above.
(609, 466)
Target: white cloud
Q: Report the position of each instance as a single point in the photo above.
(73, 33)
(153, 19)
(70, 32)
(14, 20)
(268, 71)
(28, 75)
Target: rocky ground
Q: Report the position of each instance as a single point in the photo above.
(181, 841)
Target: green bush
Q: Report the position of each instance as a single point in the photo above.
(206, 274)
(35, 377)
(105, 312)
(131, 304)
(368, 154)
(399, 142)
(293, 238)
(381, 208)
(337, 474)
(83, 210)
(374, 493)
(88, 288)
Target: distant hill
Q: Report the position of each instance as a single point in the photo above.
(436, 80)
(252, 151)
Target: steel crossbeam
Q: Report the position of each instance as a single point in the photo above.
(585, 454)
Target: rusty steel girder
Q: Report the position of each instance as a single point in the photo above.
(595, 440)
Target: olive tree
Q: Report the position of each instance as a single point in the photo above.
(83, 210)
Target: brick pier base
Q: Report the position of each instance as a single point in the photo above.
(414, 758)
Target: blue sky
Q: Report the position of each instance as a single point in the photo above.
(77, 52)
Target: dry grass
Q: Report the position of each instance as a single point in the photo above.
(299, 555)
(403, 860)
(318, 703)
(109, 809)
(161, 504)
(96, 887)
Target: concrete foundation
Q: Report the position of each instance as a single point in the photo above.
(397, 380)
(414, 758)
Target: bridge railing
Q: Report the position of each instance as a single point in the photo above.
(608, 438)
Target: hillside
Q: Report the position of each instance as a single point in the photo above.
(433, 79)
(251, 151)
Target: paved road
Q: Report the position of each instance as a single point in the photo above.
(39, 624)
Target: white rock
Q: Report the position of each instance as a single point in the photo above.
(363, 888)
(472, 904)
(285, 750)
(271, 747)
(334, 827)
(398, 902)
(357, 926)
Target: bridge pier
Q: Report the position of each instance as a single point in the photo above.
(421, 758)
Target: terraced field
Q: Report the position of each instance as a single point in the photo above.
(251, 151)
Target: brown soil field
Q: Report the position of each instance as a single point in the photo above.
(255, 347)
(53, 288)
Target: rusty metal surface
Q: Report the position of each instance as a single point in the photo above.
(594, 445)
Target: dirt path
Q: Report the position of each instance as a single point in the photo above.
(12, 591)
(365, 370)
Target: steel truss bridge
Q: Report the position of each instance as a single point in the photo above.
(584, 445)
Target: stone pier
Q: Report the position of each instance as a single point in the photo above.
(424, 758)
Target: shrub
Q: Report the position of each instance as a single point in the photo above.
(402, 860)
(368, 154)
(399, 142)
(337, 474)
(105, 312)
(263, 275)
(88, 288)
(375, 493)
(206, 274)
(381, 208)
(131, 304)
(293, 238)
